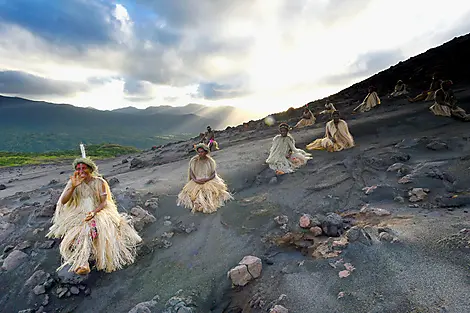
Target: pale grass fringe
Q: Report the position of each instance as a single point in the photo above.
(115, 245)
(206, 198)
(305, 122)
(296, 160)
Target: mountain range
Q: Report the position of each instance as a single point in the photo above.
(34, 126)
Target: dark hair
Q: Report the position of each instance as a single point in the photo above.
(284, 125)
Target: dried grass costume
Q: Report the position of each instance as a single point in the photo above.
(340, 133)
(108, 238)
(206, 197)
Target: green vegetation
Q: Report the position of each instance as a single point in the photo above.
(101, 151)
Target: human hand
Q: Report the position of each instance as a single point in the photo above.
(76, 179)
(89, 216)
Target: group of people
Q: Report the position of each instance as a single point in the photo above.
(92, 229)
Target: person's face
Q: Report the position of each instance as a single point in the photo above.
(83, 171)
(208, 129)
(283, 132)
(336, 117)
(201, 152)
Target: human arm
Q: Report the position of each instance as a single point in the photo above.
(103, 197)
(75, 180)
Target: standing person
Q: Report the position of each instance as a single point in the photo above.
(337, 136)
(205, 191)
(284, 157)
(88, 222)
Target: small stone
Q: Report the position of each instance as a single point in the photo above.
(71, 278)
(45, 302)
(152, 203)
(437, 146)
(344, 274)
(399, 199)
(53, 182)
(25, 197)
(305, 221)
(168, 234)
(281, 219)
(166, 244)
(253, 264)
(124, 161)
(3, 187)
(384, 236)
(68, 294)
(278, 309)
(40, 309)
(48, 244)
(74, 290)
(113, 182)
(375, 211)
(24, 245)
(417, 194)
(316, 231)
(8, 248)
(37, 231)
(239, 275)
(14, 259)
(405, 179)
(87, 292)
(167, 223)
(284, 227)
(332, 225)
(167, 218)
(38, 277)
(39, 290)
(273, 180)
(61, 292)
(49, 283)
(81, 287)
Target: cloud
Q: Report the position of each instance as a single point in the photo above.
(214, 91)
(138, 91)
(365, 65)
(20, 83)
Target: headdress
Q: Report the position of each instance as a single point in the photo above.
(399, 81)
(202, 146)
(284, 125)
(447, 83)
(85, 160)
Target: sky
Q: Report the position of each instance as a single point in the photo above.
(259, 55)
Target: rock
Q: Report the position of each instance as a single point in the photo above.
(385, 236)
(38, 278)
(124, 161)
(151, 203)
(185, 228)
(49, 283)
(167, 218)
(150, 182)
(26, 311)
(74, 290)
(141, 218)
(357, 234)
(39, 290)
(406, 179)
(145, 307)
(48, 244)
(38, 230)
(281, 219)
(61, 292)
(25, 197)
(398, 167)
(113, 182)
(375, 211)
(167, 223)
(369, 190)
(273, 180)
(305, 221)
(437, 146)
(399, 199)
(45, 302)
(316, 231)
(168, 234)
(332, 225)
(14, 259)
(278, 309)
(71, 278)
(417, 194)
(3, 187)
(8, 248)
(137, 163)
(247, 269)
(87, 292)
(53, 182)
(81, 287)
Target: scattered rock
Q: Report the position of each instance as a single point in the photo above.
(74, 290)
(344, 273)
(316, 231)
(358, 234)
(137, 163)
(113, 182)
(152, 203)
(3, 187)
(53, 182)
(8, 248)
(38, 278)
(417, 194)
(165, 244)
(278, 309)
(305, 221)
(146, 307)
(39, 290)
(185, 228)
(61, 292)
(25, 197)
(37, 230)
(14, 259)
(26, 311)
(369, 190)
(141, 218)
(399, 199)
(167, 223)
(332, 225)
(87, 292)
(168, 234)
(400, 168)
(385, 236)
(48, 244)
(247, 269)
(124, 161)
(406, 179)
(375, 211)
(281, 219)
(437, 146)
(71, 278)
